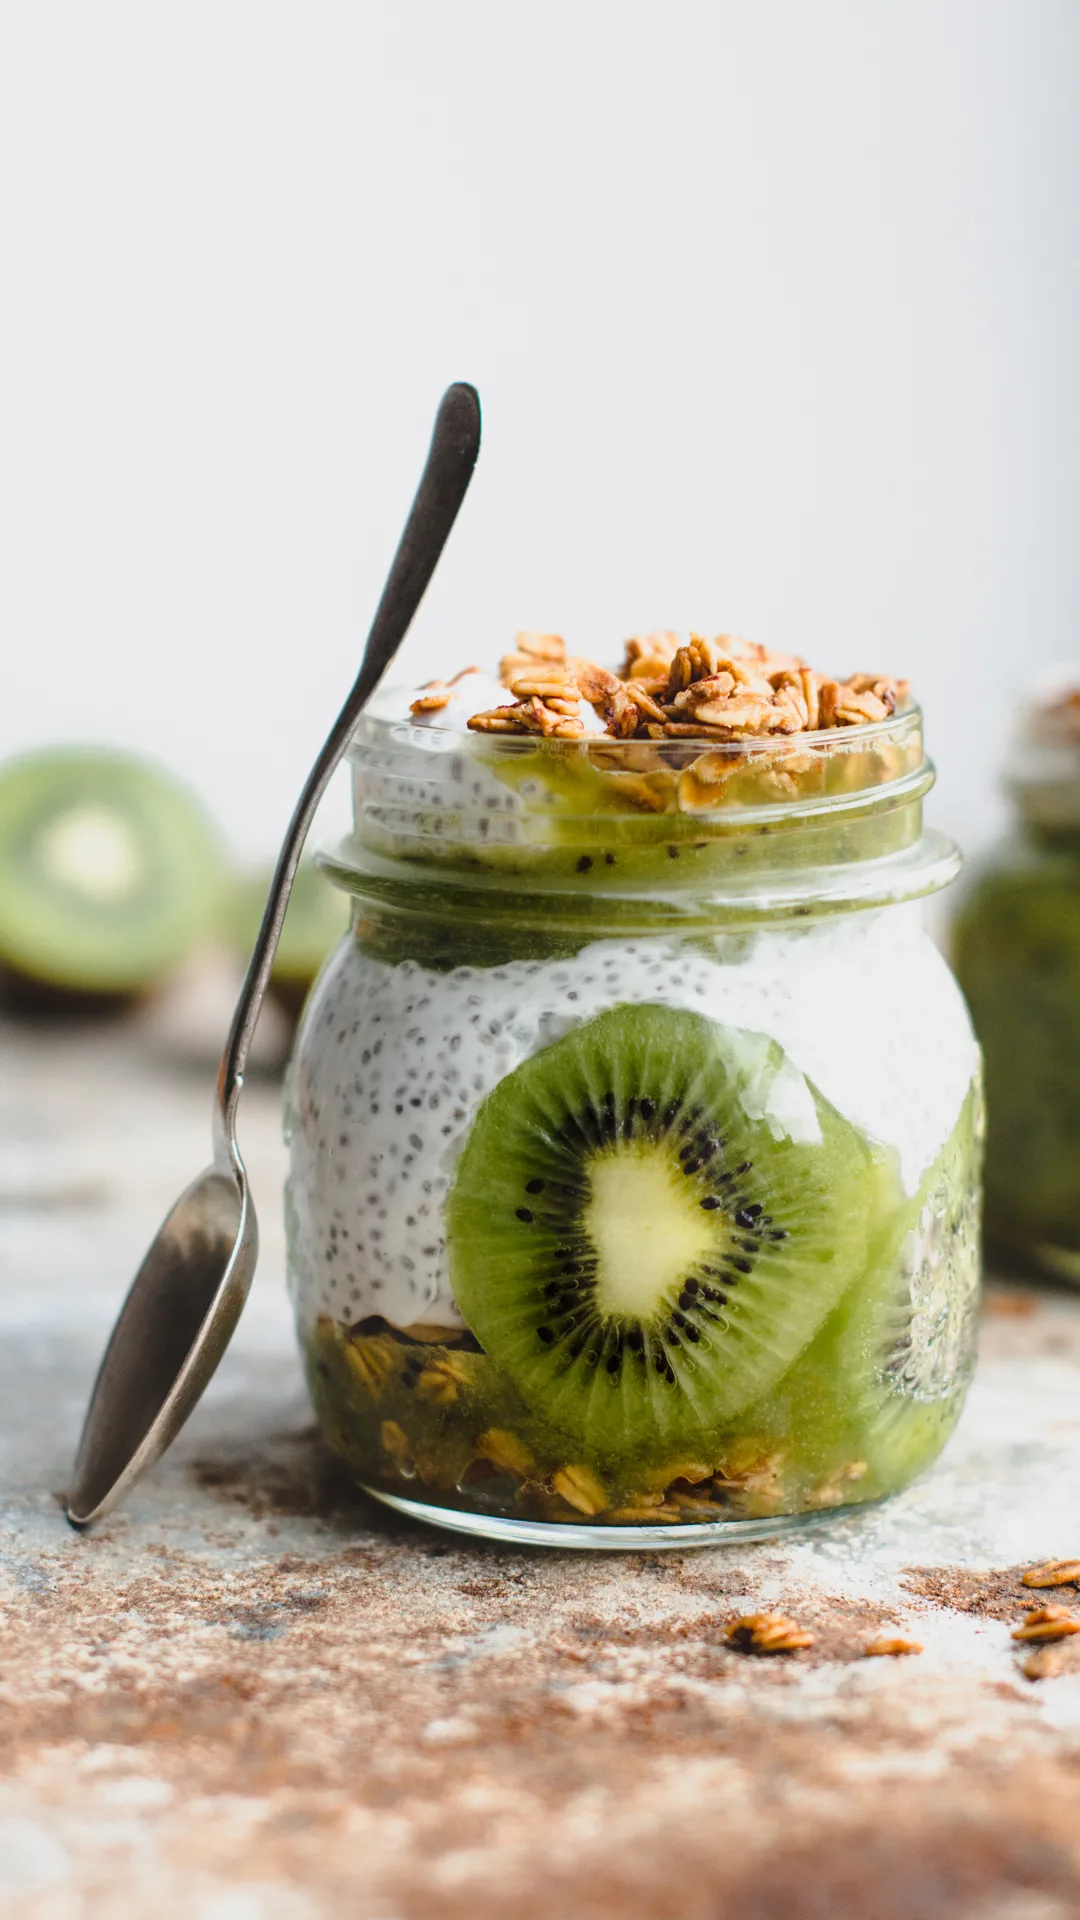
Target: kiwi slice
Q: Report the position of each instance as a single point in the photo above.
(883, 1382)
(650, 1219)
(110, 871)
(903, 1347)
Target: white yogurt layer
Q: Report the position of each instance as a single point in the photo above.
(395, 1060)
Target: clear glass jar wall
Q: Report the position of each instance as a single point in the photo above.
(1017, 951)
(635, 1133)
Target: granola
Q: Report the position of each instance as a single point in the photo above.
(721, 689)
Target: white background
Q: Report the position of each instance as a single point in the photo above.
(773, 305)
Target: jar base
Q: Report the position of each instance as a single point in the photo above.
(554, 1533)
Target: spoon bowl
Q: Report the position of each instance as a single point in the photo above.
(173, 1328)
(188, 1294)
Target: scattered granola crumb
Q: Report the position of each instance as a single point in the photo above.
(890, 1644)
(767, 1633)
(1054, 1573)
(1047, 1623)
(1045, 1663)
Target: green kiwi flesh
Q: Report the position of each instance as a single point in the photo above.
(882, 1384)
(110, 871)
(317, 916)
(650, 1220)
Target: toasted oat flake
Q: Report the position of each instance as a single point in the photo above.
(1044, 1663)
(767, 1633)
(1047, 1623)
(580, 1489)
(1053, 1573)
(505, 1450)
(891, 1645)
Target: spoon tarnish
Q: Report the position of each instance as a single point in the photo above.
(187, 1296)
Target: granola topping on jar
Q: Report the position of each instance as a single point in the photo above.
(724, 689)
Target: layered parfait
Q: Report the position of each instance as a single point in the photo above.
(1017, 942)
(635, 1125)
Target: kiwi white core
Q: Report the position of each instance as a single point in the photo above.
(93, 851)
(645, 1235)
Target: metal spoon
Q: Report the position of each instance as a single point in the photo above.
(186, 1298)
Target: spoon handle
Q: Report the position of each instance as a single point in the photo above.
(455, 444)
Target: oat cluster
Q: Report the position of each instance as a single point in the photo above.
(722, 690)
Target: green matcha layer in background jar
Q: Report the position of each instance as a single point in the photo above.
(635, 1126)
(1017, 949)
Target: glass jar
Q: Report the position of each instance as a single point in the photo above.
(635, 1132)
(1017, 951)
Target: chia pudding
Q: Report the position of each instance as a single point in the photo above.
(635, 1125)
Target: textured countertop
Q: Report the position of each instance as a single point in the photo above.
(255, 1696)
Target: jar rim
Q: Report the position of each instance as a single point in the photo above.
(831, 817)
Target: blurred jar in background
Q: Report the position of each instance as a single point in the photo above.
(1017, 955)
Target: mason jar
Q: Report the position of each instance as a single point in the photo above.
(1017, 951)
(635, 1134)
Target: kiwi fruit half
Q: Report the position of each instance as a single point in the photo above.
(110, 871)
(317, 916)
(650, 1219)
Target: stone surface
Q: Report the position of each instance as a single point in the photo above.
(255, 1696)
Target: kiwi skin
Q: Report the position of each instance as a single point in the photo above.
(37, 1002)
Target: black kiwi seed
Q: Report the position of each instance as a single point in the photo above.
(524, 1214)
(646, 1109)
(710, 1202)
(534, 1186)
(545, 1334)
